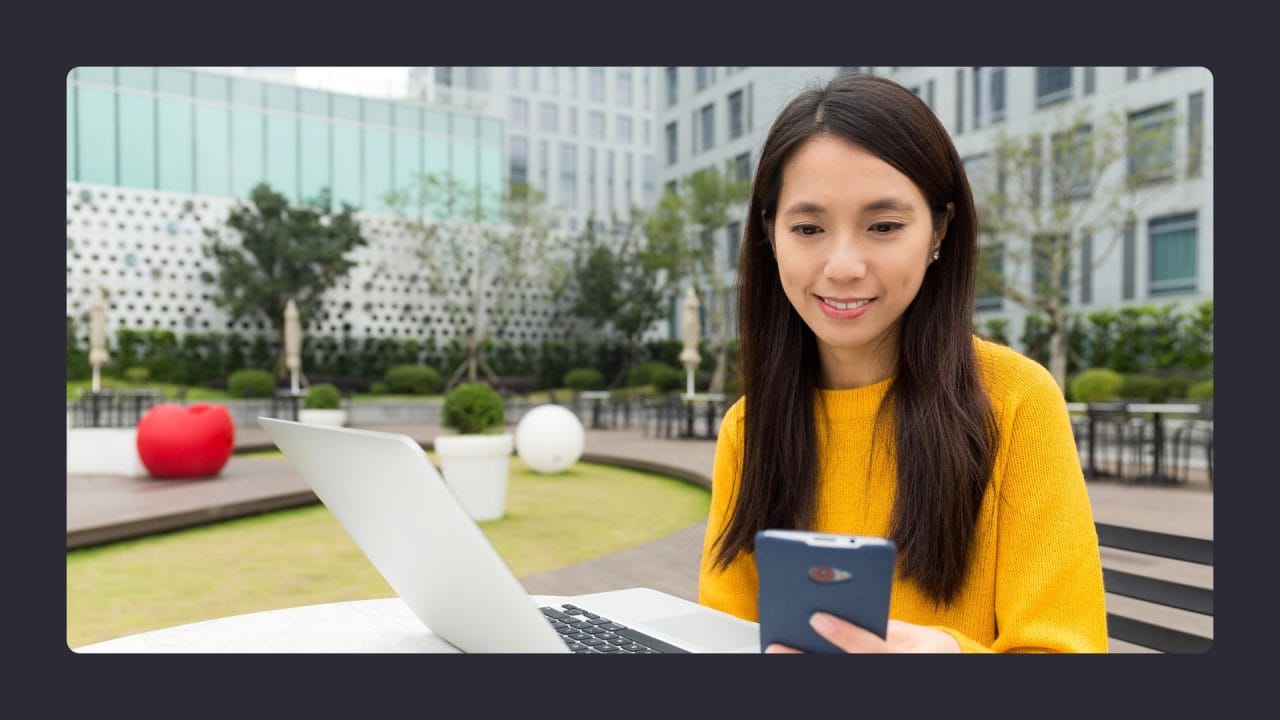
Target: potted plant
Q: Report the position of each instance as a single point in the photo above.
(476, 456)
(323, 406)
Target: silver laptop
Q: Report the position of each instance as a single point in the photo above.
(384, 491)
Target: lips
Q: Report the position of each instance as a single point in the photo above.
(843, 308)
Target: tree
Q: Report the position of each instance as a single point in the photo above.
(622, 281)
(275, 252)
(1035, 213)
(474, 257)
(706, 197)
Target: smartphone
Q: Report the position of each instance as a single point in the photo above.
(849, 576)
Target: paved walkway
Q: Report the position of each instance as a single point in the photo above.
(103, 508)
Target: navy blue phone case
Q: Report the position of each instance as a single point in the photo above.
(802, 572)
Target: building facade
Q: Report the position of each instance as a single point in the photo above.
(582, 136)
(719, 116)
(156, 156)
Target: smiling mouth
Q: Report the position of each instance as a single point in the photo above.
(844, 305)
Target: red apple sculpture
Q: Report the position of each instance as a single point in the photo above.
(185, 442)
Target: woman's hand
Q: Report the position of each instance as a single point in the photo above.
(903, 637)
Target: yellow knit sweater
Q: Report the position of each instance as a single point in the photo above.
(1035, 579)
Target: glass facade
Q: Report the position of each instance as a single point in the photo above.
(187, 131)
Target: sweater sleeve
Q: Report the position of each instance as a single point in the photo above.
(1049, 595)
(734, 589)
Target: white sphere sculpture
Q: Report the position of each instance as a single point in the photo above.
(549, 438)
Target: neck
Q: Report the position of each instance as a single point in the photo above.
(849, 368)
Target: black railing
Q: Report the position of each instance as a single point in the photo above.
(112, 407)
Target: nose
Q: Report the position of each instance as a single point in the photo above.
(846, 260)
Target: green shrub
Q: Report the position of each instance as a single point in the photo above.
(669, 379)
(323, 396)
(582, 378)
(473, 408)
(137, 374)
(412, 379)
(251, 383)
(1145, 387)
(1176, 386)
(1201, 391)
(642, 374)
(1095, 385)
(378, 388)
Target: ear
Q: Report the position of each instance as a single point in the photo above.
(940, 231)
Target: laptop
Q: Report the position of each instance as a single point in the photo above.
(388, 496)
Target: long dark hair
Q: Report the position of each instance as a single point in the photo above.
(942, 419)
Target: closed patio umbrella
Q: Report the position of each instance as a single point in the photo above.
(292, 343)
(98, 337)
(689, 327)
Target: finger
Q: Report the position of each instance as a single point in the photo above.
(845, 635)
(779, 648)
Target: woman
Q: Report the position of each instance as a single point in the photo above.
(870, 408)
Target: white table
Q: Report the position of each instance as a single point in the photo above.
(384, 625)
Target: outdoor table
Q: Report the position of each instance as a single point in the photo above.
(597, 398)
(1158, 411)
(710, 401)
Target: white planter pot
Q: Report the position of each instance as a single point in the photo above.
(475, 468)
(310, 416)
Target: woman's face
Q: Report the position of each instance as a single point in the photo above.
(853, 237)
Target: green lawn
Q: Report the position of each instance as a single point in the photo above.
(302, 556)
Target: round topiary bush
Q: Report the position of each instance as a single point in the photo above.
(668, 379)
(1095, 385)
(472, 409)
(1146, 387)
(1201, 391)
(642, 374)
(412, 380)
(323, 396)
(251, 383)
(584, 379)
(137, 374)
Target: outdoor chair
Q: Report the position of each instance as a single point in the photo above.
(1196, 431)
(1119, 433)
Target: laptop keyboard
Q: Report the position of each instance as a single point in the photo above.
(588, 633)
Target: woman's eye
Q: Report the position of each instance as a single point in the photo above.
(806, 229)
(885, 227)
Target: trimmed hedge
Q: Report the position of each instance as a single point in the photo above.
(251, 383)
(583, 378)
(412, 380)
(323, 397)
(473, 408)
(1096, 385)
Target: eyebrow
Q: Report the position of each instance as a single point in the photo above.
(885, 203)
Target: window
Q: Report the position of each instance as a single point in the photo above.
(647, 126)
(553, 80)
(610, 172)
(650, 188)
(1195, 133)
(1086, 270)
(1046, 252)
(513, 76)
(518, 110)
(595, 125)
(623, 130)
(628, 168)
(571, 81)
(672, 150)
(989, 284)
(623, 79)
(573, 121)
(1090, 80)
(1172, 254)
(568, 176)
(1127, 261)
(1072, 171)
(595, 84)
(672, 88)
(533, 78)
(544, 165)
(591, 178)
(735, 114)
(548, 117)
(1130, 74)
(959, 100)
(708, 127)
(740, 168)
(701, 78)
(1150, 136)
(733, 236)
(644, 88)
(1053, 84)
(519, 150)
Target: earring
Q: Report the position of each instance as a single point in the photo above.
(935, 254)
